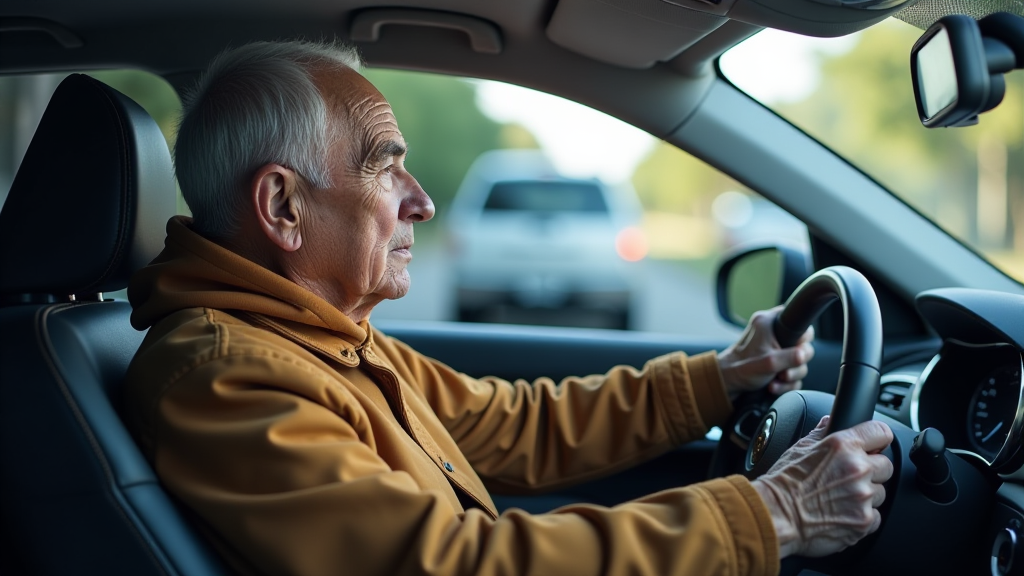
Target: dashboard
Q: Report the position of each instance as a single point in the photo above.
(972, 391)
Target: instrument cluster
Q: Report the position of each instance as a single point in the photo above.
(972, 393)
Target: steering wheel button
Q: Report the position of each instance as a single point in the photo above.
(764, 436)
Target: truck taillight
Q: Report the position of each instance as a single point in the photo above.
(631, 244)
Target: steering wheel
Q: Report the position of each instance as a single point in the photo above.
(757, 434)
(922, 532)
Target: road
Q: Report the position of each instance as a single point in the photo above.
(673, 298)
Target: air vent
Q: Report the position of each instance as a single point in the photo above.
(893, 395)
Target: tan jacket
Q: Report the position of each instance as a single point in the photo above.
(309, 444)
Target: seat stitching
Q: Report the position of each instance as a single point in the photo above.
(125, 207)
(43, 339)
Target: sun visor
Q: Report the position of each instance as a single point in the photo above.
(823, 18)
(628, 33)
(640, 33)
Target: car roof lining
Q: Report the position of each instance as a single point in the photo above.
(656, 99)
(171, 38)
(177, 39)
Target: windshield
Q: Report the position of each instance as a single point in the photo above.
(854, 95)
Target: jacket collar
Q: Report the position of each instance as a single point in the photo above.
(193, 272)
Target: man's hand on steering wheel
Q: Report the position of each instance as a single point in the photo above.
(824, 493)
(756, 359)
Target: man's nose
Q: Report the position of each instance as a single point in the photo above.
(417, 205)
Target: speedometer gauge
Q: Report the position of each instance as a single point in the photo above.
(992, 410)
(973, 394)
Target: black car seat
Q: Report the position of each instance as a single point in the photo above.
(87, 208)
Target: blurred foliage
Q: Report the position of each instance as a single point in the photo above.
(670, 180)
(864, 109)
(516, 136)
(677, 192)
(151, 92)
(445, 130)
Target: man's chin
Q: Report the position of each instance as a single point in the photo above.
(397, 287)
(396, 294)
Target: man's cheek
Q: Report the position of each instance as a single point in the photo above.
(380, 266)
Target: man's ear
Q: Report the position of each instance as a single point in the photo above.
(278, 203)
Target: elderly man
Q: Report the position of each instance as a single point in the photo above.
(307, 442)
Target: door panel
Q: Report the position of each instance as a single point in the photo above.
(531, 352)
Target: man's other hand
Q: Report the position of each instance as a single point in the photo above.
(824, 492)
(756, 359)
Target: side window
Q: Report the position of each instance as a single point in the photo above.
(551, 213)
(23, 100)
(548, 212)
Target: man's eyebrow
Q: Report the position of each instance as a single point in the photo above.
(388, 149)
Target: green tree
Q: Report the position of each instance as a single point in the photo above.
(151, 92)
(864, 109)
(670, 180)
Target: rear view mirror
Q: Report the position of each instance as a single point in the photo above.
(957, 67)
(757, 279)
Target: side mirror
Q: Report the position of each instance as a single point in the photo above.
(757, 279)
(957, 67)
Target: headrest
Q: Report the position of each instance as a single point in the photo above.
(91, 198)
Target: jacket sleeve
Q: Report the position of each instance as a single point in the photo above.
(522, 436)
(284, 470)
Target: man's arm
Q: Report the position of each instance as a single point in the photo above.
(284, 470)
(283, 466)
(523, 436)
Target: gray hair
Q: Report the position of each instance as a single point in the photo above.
(255, 105)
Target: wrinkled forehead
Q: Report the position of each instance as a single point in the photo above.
(359, 110)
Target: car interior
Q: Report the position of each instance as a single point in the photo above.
(89, 204)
